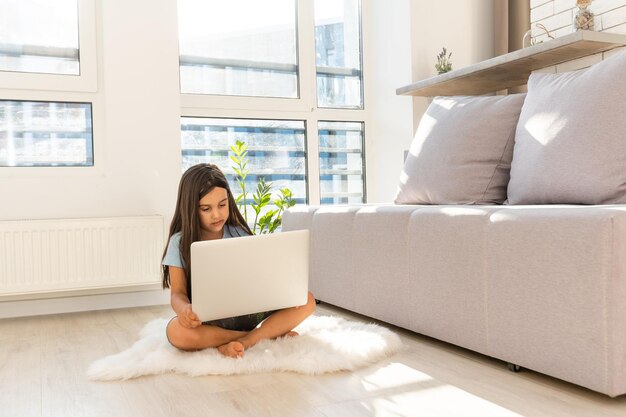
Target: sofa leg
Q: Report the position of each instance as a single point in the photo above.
(513, 368)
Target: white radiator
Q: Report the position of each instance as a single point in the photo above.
(57, 257)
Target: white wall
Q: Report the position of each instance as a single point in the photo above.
(136, 126)
(388, 58)
(136, 142)
(465, 28)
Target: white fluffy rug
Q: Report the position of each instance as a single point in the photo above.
(325, 344)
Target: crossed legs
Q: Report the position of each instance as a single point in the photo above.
(233, 343)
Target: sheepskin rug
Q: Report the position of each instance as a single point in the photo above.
(325, 344)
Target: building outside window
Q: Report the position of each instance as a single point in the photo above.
(276, 150)
(45, 134)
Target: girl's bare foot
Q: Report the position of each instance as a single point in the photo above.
(232, 349)
(236, 348)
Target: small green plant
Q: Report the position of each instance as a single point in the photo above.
(266, 222)
(443, 64)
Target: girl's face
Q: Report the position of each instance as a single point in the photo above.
(213, 211)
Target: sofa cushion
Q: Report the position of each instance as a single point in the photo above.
(570, 144)
(461, 152)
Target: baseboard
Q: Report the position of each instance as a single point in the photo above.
(57, 305)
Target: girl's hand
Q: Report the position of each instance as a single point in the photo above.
(188, 318)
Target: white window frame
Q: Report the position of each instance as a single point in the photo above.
(86, 81)
(82, 88)
(302, 108)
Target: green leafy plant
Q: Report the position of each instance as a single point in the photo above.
(444, 64)
(240, 160)
(270, 220)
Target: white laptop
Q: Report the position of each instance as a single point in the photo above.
(244, 275)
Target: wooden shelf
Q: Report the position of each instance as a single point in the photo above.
(513, 69)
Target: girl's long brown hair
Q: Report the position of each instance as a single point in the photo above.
(196, 182)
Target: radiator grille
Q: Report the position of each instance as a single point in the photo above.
(47, 256)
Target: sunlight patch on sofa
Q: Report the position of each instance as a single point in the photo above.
(335, 209)
(426, 126)
(461, 211)
(403, 177)
(502, 217)
(544, 127)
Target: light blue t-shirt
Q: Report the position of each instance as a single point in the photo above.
(172, 256)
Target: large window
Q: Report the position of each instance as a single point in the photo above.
(276, 150)
(286, 78)
(240, 47)
(39, 36)
(45, 134)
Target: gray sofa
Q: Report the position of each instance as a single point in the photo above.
(542, 287)
(508, 236)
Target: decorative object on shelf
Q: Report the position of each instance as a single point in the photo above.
(443, 64)
(529, 40)
(584, 17)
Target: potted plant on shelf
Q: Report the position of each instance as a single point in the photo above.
(444, 64)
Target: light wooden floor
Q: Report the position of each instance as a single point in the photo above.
(43, 362)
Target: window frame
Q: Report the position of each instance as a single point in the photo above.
(302, 108)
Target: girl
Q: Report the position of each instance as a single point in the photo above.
(205, 210)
